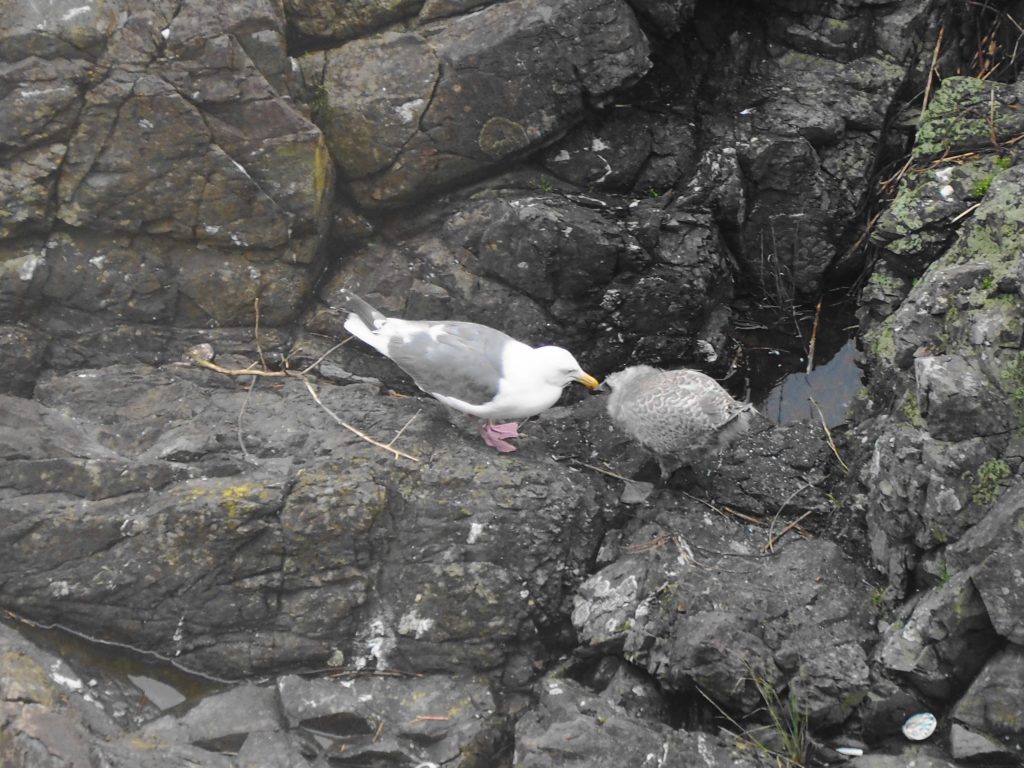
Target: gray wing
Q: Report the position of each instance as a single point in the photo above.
(463, 361)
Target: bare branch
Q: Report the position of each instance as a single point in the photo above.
(362, 435)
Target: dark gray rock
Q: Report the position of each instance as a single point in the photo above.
(23, 351)
(407, 112)
(993, 550)
(993, 707)
(610, 282)
(347, 20)
(917, 755)
(50, 720)
(696, 601)
(975, 748)
(572, 726)
(237, 546)
(413, 720)
(943, 642)
(221, 722)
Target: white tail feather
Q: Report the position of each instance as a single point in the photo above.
(355, 325)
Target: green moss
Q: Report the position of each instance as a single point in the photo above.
(1004, 162)
(543, 184)
(990, 477)
(980, 187)
(882, 342)
(963, 115)
(912, 410)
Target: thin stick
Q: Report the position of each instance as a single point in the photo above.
(791, 496)
(241, 413)
(256, 331)
(353, 430)
(964, 213)
(931, 68)
(398, 434)
(440, 718)
(320, 359)
(603, 471)
(828, 436)
(743, 732)
(239, 371)
(814, 337)
(772, 541)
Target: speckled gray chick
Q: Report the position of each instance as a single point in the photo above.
(679, 415)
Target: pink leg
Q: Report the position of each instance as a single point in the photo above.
(498, 435)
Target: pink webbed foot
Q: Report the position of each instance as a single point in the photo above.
(498, 435)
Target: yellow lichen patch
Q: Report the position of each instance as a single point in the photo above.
(25, 679)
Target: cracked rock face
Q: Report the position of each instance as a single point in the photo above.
(406, 113)
(606, 175)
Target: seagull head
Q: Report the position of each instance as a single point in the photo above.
(559, 367)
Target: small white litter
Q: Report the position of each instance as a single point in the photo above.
(919, 727)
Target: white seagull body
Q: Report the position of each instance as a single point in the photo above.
(470, 367)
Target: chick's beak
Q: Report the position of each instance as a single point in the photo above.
(588, 381)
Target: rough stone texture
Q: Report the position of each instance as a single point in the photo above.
(610, 282)
(531, 166)
(993, 706)
(994, 550)
(155, 170)
(407, 112)
(942, 643)
(572, 726)
(695, 601)
(434, 720)
(48, 720)
(152, 516)
(948, 359)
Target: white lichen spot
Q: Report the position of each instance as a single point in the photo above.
(947, 192)
(69, 15)
(165, 32)
(414, 624)
(98, 261)
(409, 111)
(144, 123)
(943, 175)
(475, 529)
(562, 157)
(211, 229)
(254, 274)
(69, 680)
(29, 265)
(60, 589)
(598, 146)
(179, 631)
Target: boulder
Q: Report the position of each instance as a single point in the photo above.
(572, 726)
(992, 709)
(682, 601)
(405, 113)
(142, 511)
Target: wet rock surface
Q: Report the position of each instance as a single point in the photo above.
(637, 181)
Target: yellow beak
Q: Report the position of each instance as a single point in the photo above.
(588, 381)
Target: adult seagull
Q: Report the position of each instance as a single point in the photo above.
(470, 367)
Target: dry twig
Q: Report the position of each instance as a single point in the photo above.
(828, 436)
(357, 432)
